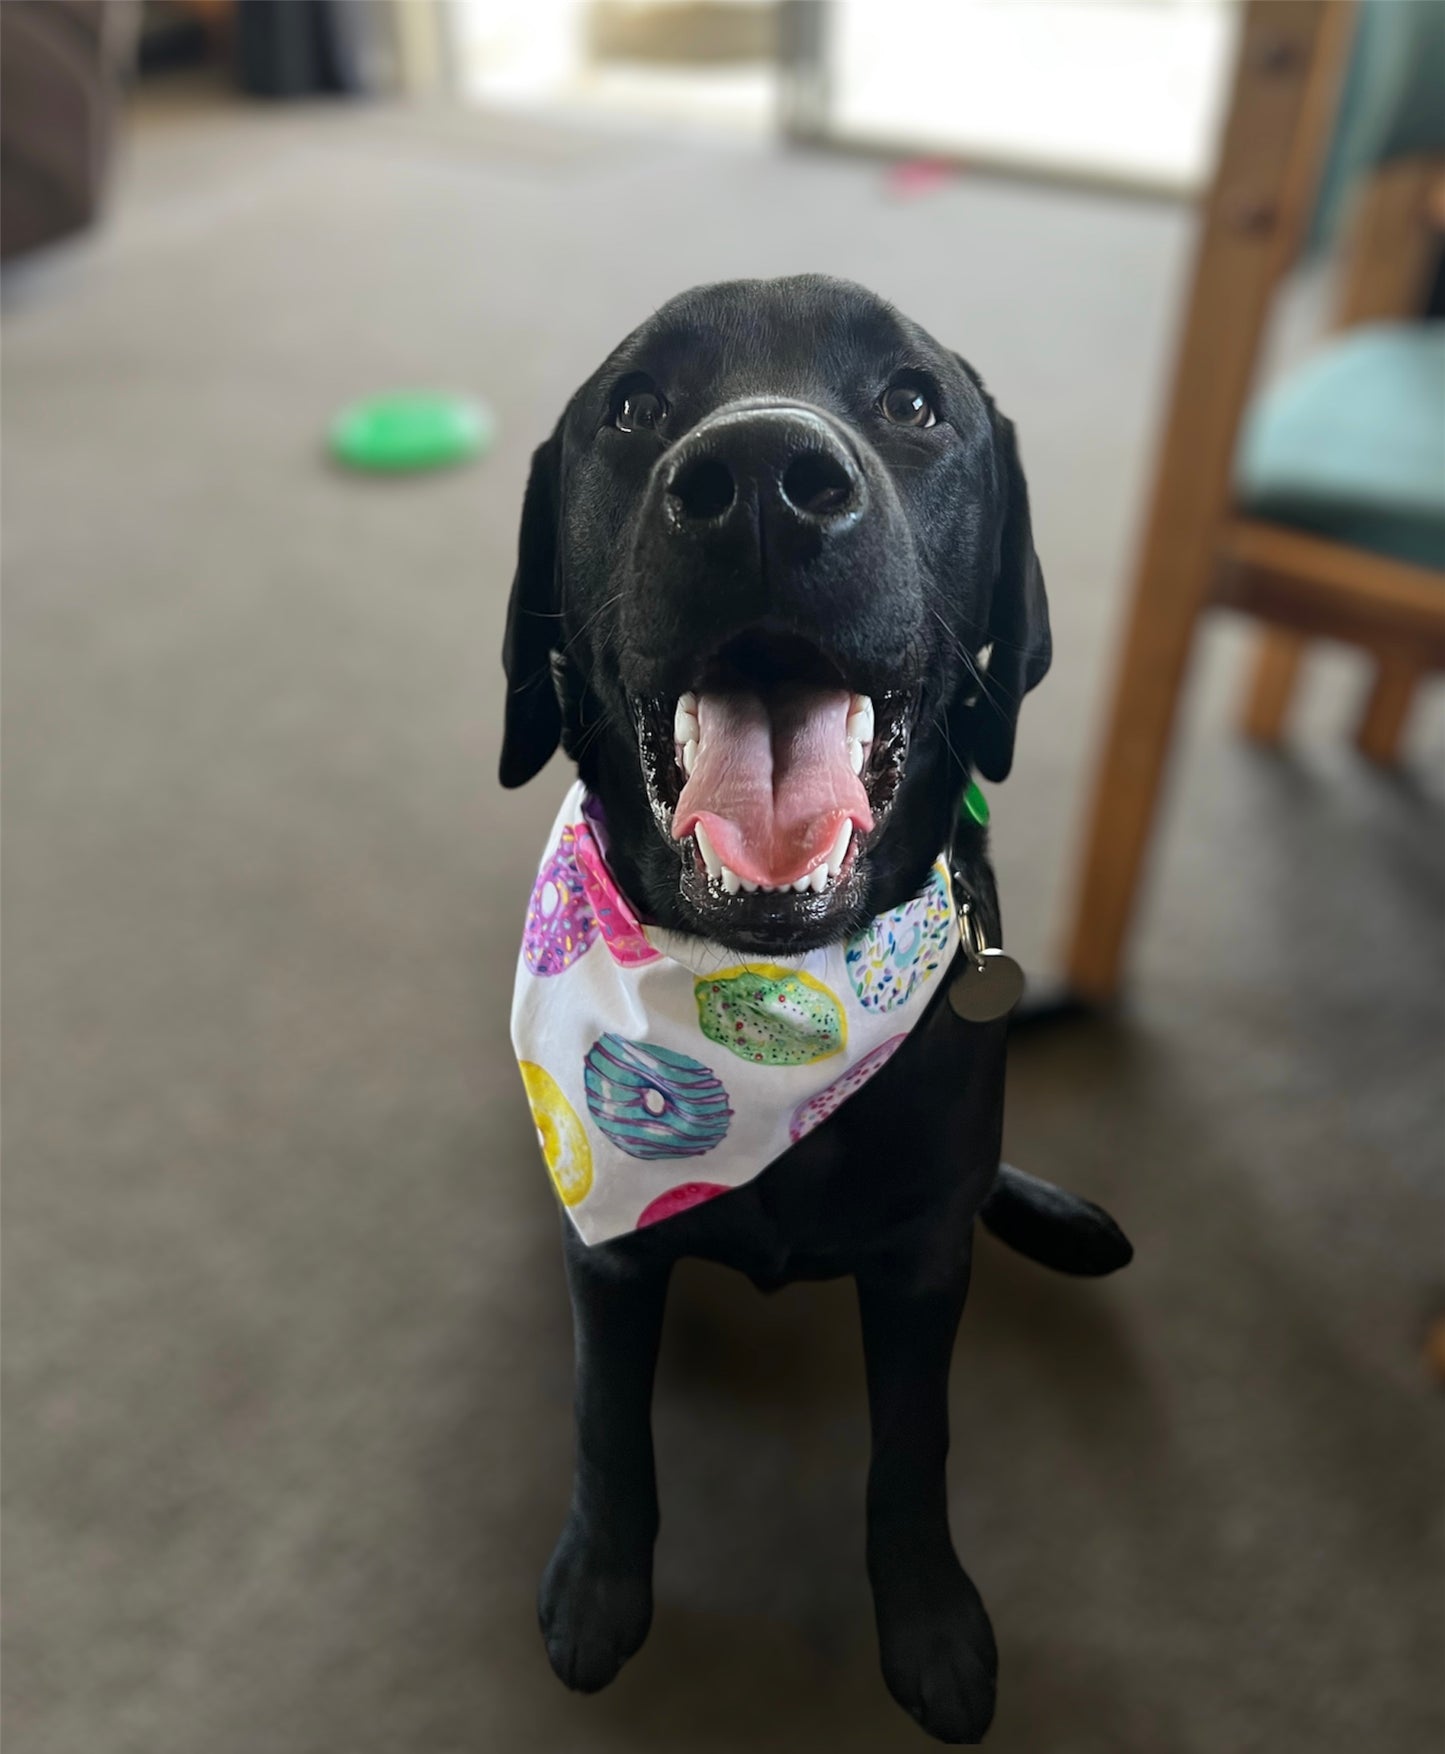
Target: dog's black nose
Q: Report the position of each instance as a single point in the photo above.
(786, 468)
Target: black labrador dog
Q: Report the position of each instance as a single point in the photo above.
(786, 488)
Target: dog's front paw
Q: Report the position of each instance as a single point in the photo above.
(594, 1608)
(934, 1638)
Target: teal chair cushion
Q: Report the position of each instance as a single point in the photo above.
(1352, 445)
(1390, 106)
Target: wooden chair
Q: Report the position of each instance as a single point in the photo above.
(1201, 547)
(1390, 255)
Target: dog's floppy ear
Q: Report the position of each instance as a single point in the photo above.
(1018, 618)
(533, 723)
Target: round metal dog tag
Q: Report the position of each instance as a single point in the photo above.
(988, 988)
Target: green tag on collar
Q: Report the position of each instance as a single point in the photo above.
(975, 805)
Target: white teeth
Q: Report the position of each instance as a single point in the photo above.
(860, 719)
(815, 881)
(859, 730)
(709, 853)
(685, 732)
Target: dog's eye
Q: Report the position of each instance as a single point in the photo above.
(640, 408)
(906, 404)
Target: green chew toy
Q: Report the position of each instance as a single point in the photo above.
(395, 434)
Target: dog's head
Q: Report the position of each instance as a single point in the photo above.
(776, 594)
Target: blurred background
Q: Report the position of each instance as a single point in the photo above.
(288, 1353)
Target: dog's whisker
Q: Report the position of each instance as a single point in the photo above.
(601, 609)
(1008, 645)
(990, 688)
(960, 650)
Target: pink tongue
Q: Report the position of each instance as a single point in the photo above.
(772, 784)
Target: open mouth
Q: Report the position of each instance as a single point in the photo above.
(774, 777)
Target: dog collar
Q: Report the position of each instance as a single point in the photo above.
(661, 1069)
(988, 983)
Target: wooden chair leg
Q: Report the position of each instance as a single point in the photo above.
(1435, 1348)
(1382, 724)
(1281, 111)
(1271, 685)
(1126, 789)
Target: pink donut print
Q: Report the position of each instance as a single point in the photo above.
(560, 927)
(624, 937)
(678, 1199)
(817, 1108)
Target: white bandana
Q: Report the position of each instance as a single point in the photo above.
(662, 1069)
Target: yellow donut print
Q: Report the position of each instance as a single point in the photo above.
(564, 1145)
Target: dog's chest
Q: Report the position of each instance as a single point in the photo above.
(920, 1140)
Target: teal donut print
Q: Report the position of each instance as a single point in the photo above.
(900, 951)
(651, 1102)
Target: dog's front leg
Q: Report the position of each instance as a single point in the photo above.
(934, 1637)
(595, 1603)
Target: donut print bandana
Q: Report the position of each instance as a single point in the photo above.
(560, 923)
(892, 957)
(660, 1070)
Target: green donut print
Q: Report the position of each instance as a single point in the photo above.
(770, 1016)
